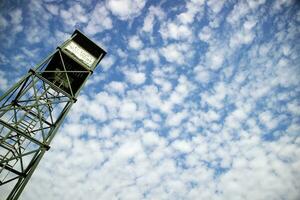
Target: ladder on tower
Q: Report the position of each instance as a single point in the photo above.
(16, 144)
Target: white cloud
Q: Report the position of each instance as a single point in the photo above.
(176, 97)
(193, 8)
(60, 36)
(53, 9)
(278, 5)
(175, 119)
(148, 23)
(135, 42)
(75, 14)
(202, 75)
(182, 146)
(165, 85)
(3, 81)
(151, 139)
(107, 62)
(216, 5)
(128, 149)
(3, 22)
(116, 86)
(125, 9)
(150, 124)
(216, 99)
(122, 53)
(171, 30)
(16, 20)
(198, 128)
(205, 34)
(215, 59)
(136, 78)
(99, 20)
(97, 111)
(211, 115)
(16, 16)
(34, 36)
(249, 24)
(239, 11)
(127, 109)
(172, 53)
(154, 12)
(74, 130)
(242, 37)
(293, 129)
(149, 54)
(294, 108)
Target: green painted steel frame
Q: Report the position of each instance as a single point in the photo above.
(40, 127)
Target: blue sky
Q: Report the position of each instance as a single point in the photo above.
(194, 100)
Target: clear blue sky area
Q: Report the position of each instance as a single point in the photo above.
(195, 99)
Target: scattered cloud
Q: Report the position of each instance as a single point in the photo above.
(135, 78)
(174, 31)
(127, 9)
(99, 20)
(116, 86)
(53, 9)
(75, 14)
(149, 54)
(154, 12)
(3, 22)
(3, 81)
(194, 99)
(16, 20)
(107, 62)
(173, 53)
(135, 43)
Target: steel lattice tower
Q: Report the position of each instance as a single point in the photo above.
(34, 108)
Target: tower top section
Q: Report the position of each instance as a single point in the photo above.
(83, 50)
(72, 63)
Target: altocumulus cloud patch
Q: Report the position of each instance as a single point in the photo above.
(195, 100)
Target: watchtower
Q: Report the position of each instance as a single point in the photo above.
(34, 108)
